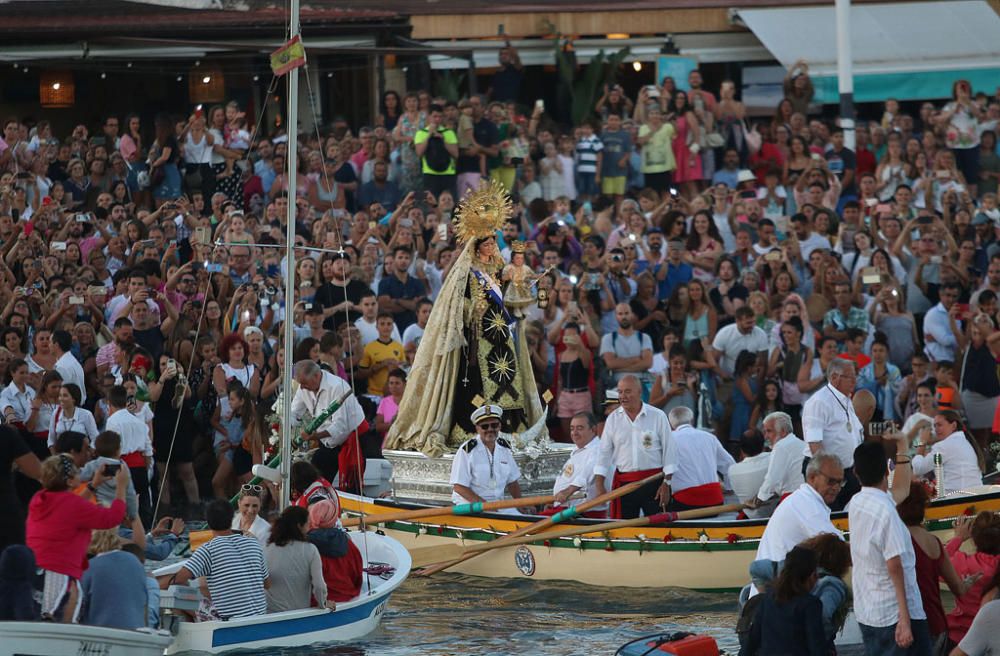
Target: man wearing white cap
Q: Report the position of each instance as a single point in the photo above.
(484, 466)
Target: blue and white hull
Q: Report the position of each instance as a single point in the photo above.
(350, 621)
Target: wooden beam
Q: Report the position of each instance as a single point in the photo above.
(521, 25)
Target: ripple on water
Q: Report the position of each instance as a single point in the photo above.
(458, 615)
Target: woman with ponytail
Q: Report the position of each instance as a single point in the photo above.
(961, 456)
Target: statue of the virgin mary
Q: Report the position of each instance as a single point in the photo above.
(471, 352)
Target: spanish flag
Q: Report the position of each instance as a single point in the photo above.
(289, 56)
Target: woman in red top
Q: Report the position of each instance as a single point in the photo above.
(59, 527)
(342, 562)
(932, 564)
(977, 568)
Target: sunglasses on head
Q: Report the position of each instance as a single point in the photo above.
(249, 490)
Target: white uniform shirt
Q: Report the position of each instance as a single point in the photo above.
(579, 471)
(487, 474)
(134, 433)
(340, 424)
(825, 418)
(878, 534)
(784, 470)
(747, 475)
(82, 421)
(696, 457)
(961, 466)
(630, 446)
(72, 372)
(799, 517)
(20, 401)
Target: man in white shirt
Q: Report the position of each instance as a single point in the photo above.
(367, 323)
(66, 364)
(415, 331)
(578, 472)
(695, 460)
(747, 475)
(805, 513)
(830, 425)
(784, 469)
(138, 292)
(883, 576)
(742, 335)
(941, 326)
(633, 447)
(484, 467)
(808, 240)
(318, 390)
(137, 446)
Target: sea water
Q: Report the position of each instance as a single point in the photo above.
(451, 614)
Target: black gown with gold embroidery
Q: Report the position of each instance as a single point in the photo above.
(489, 366)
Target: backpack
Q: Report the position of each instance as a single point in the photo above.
(437, 157)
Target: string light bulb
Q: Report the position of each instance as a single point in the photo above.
(206, 80)
(104, 76)
(56, 86)
(329, 74)
(180, 78)
(128, 65)
(256, 78)
(197, 62)
(637, 65)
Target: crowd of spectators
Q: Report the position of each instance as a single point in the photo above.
(724, 260)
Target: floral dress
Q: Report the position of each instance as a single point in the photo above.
(410, 178)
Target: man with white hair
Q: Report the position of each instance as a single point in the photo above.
(784, 471)
(337, 437)
(806, 512)
(695, 460)
(633, 447)
(830, 424)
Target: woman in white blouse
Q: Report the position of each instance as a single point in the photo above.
(69, 416)
(960, 455)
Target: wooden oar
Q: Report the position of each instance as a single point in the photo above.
(569, 513)
(429, 555)
(443, 511)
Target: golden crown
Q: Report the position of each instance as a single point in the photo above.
(518, 246)
(483, 212)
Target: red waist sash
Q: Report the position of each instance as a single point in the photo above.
(709, 494)
(622, 478)
(134, 459)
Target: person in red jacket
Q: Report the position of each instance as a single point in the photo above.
(59, 527)
(342, 562)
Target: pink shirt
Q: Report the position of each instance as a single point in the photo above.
(59, 527)
(966, 606)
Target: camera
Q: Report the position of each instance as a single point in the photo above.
(111, 470)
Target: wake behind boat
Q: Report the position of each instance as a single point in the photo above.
(387, 564)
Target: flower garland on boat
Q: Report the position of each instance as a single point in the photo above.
(274, 423)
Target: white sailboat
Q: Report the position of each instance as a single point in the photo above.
(351, 620)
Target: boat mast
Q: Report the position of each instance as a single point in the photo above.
(292, 128)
